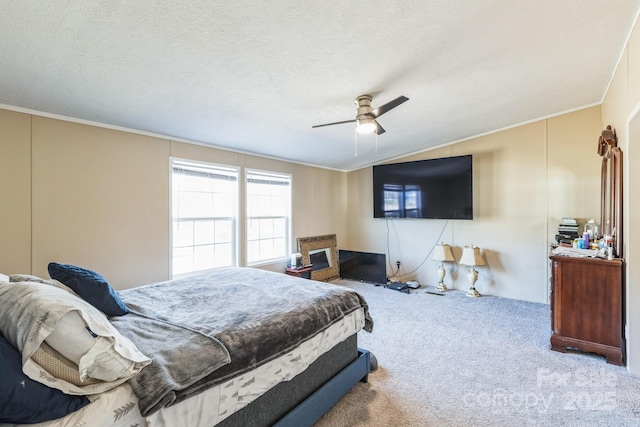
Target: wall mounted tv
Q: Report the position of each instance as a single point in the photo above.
(431, 189)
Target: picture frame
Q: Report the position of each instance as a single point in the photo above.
(322, 252)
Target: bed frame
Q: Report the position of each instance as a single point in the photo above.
(304, 399)
(316, 405)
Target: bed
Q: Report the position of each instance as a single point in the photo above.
(231, 347)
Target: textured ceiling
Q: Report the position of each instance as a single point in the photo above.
(254, 76)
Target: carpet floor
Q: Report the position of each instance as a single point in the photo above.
(452, 360)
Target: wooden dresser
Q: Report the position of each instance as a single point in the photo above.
(587, 306)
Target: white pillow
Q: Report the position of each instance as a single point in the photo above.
(31, 313)
(4, 278)
(93, 354)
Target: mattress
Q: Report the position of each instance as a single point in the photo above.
(227, 321)
(118, 407)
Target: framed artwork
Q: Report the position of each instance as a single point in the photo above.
(322, 253)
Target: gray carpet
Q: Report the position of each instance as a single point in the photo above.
(457, 361)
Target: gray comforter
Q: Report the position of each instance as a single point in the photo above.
(203, 329)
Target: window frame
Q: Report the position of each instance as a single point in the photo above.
(235, 219)
(247, 217)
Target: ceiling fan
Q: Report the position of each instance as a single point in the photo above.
(366, 116)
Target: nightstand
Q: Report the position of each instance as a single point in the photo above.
(303, 272)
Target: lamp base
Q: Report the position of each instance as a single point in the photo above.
(472, 275)
(441, 273)
(473, 293)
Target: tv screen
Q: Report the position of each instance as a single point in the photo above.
(319, 259)
(431, 189)
(365, 266)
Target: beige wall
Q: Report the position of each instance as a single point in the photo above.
(15, 190)
(100, 198)
(525, 180)
(620, 109)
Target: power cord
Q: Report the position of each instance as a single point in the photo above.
(421, 263)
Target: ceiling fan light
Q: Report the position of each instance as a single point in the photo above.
(366, 125)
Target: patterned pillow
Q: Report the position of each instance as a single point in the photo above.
(91, 287)
(25, 278)
(59, 366)
(30, 278)
(31, 313)
(25, 401)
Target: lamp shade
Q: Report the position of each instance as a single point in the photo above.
(471, 256)
(442, 253)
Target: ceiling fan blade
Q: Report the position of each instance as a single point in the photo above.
(379, 130)
(388, 106)
(334, 123)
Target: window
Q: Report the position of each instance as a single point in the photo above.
(268, 216)
(204, 216)
(402, 201)
(392, 200)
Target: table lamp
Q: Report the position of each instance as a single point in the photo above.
(471, 257)
(442, 253)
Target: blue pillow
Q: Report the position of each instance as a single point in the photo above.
(91, 286)
(25, 401)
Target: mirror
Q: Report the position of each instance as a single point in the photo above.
(322, 252)
(611, 187)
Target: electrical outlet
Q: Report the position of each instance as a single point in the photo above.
(398, 264)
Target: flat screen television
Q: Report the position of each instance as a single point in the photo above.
(364, 266)
(430, 189)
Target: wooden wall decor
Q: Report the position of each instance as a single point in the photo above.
(328, 244)
(611, 187)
